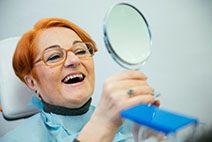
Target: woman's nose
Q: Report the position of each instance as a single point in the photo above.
(71, 60)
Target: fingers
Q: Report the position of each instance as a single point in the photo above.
(126, 80)
(125, 84)
(122, 91)
(128, 75)
(141, 90)
(130, 83)
(156, 103)
(117, 86)
(122, 95)
(144, 99)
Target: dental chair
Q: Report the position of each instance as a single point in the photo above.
(15, 97)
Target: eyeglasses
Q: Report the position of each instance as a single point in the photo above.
(55, 55)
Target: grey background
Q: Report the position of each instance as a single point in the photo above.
(180, 66)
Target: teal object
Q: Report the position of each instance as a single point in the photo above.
(158, 119)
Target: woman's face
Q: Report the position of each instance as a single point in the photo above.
(51, 83)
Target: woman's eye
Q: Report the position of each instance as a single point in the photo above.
(80, 52)
(54, 57)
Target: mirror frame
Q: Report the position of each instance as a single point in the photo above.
(109, 46)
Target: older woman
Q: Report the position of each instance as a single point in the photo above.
(54, 59)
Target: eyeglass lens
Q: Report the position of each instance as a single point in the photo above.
(57, 55)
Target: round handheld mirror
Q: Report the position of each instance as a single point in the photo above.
(127, 36)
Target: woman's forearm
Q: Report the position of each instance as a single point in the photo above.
(96, 132)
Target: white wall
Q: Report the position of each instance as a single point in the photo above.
(180, 66)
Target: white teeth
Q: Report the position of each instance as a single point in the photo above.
(73, 76)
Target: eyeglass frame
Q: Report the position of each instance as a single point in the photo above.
(66, 52)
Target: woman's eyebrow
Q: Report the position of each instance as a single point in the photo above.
(52, 46)
(77, 41)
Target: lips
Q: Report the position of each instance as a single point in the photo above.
(73, 78)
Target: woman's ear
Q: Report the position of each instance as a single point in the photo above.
(30, 82)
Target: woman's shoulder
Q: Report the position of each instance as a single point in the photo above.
(31, 129)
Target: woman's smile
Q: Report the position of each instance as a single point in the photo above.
(74, 78)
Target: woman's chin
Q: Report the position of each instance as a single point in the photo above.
(78, 100)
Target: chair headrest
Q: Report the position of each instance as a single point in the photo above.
(16, 97)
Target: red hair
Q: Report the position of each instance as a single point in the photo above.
(25, 53)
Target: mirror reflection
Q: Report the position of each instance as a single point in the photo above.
(127, 36)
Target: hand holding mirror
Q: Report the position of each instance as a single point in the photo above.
(128, 40)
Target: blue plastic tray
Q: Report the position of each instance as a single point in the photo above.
(157, 119)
